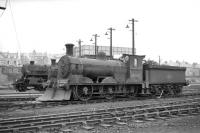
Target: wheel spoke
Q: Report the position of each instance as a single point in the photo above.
(84, 93)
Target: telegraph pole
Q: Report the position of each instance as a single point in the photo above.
(110, 29)
(95, 43)
(159, 60)
(133, 37)
(79, 45)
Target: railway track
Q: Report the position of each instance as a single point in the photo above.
(104, 118)
(9, 106)
(13, 97)
(27, 96)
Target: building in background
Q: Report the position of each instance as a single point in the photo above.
(9, 59)
(12, 62)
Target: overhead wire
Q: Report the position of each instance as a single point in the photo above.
(15, 29)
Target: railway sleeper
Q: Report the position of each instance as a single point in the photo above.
(151, 110)
(4, 127)
(74, 123)
(170, 107)
(84, 118)
(93, 122)
(66, 131)
(109, 120)
(174, 112)
(164, 114)
(125, 118)
(60, 121)
(139, 111)
(28, 121)
(105, 125)
(139, 117)
(119, 113)
(173, 107)
(8, 123)
(20, 125)
(194, 111)
(184, 111)
(24, 118)
(100, 114)
(29, 129)
(152, 115)
(41, 123)
(186, 106)
(191, 110)
(160, 109)
(6, 131)
(88, 128)
(179, 106)
(74, 116)
(96, 116)
(119, 109)
(111, 110)
(100, 111)
(50, 127)
(130, 112)
(108, 115)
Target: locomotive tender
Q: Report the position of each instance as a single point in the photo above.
(33, 76)
(84, 78)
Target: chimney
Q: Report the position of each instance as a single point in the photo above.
(53, 61)
(69, 49)
(32, 62)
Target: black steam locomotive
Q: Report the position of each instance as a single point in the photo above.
(33, 77)
(84, 78)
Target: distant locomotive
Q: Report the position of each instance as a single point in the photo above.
(33, 77)
(84, 78)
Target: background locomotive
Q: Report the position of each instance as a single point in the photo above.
(84, 78)
(33, 77)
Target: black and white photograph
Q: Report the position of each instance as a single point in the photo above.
(99, 66)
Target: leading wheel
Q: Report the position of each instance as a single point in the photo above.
(84, 93)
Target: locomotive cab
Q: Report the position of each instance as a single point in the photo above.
(134, 68)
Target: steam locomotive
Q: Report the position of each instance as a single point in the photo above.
(76, 78)
(33, 77)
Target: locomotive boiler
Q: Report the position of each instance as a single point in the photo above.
(85, 78)
(33, 77)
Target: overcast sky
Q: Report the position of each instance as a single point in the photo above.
(169, 28)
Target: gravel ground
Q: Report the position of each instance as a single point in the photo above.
(186, 124)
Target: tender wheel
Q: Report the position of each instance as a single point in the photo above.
(132, 91)
(166, 91)
(84, 93)
(109, 92)
(153, 90)
(177, 90)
